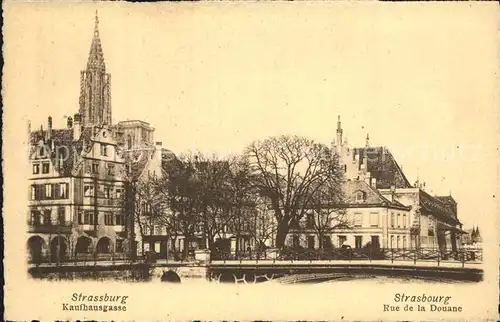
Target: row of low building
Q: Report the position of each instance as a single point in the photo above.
(80, 177)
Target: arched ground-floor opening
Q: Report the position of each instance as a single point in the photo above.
(83, 245)
(83, 248)
(58, 249)
(36, 246)
(170, 277)
(104, 246)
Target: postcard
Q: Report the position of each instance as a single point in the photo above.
(251, 161)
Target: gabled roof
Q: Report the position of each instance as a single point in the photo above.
(382, 166)
(61, 145)
(372, 196)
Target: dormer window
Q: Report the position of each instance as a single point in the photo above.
(129, 142)
(360, 196)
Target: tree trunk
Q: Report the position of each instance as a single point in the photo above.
(186, 247)
(281, 234)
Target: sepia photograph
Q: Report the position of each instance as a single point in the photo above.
(324, 151)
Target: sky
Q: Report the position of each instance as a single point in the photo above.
(214, 78)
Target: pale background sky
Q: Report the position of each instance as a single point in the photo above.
(420, 82)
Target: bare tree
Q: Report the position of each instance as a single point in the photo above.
(263, 227)
(146, 207)
(212, 175)
(327, 212)
(288, 170)
(178, 189)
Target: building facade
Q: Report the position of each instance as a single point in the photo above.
(80, 176)
(434, 220)
(365, 218)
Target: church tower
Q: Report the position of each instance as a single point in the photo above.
(95, 86)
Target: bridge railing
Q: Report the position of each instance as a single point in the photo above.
(80, 259)
(358, 254)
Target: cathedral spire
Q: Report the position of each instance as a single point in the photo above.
(95, 85)
(96, 57)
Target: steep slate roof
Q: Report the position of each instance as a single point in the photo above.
(436, 206)
(382, 166)
(446, 199)
(62, 142)
(372, 196)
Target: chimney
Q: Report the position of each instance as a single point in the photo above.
(367, 140)
(393, 192)
(49, 130)
(70, 122)
(77, 127)
(374, 182)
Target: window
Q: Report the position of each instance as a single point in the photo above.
(108, 219)
(397, 242)
(48, 191)
(36, 168)
(358, 219)
(61, 215)
(55, 190)
(104, 150)
(34, 194)
(107, 192)
(374, 219)
(358, 241)
(342, 240)
(88, 191)
(404, 242)
(95, 167)
(129, 142)
(119, 245)
(392, 219)
(375, 241)
(398, 221)
(47, 217)
(63, 191)
(295, 241)
(327, 242)
(310, 221)
(35, 217)
(310, 242)
(45, 167)
(119, 220)
(88, 218)
(404, 221)
(111, 169)
(392, 241)
(41, 152)
(119, 193)
(360, 196)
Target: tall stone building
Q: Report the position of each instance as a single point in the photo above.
(80, 174)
